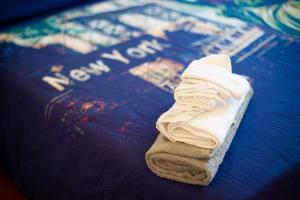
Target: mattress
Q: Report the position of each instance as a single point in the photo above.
(81, 91)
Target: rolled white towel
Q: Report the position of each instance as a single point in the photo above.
(207, 83)
(205, 130)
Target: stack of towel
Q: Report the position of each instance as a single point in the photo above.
(197, 130)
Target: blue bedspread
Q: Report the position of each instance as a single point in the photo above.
(81, 91)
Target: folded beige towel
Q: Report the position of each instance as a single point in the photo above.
(200, 96)
(206, 69)
(187, 163)
(206, 83)
(205, 130)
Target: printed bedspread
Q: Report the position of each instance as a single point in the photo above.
(81, 91)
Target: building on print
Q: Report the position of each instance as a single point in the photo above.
(164, 73)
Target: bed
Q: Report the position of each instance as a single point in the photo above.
(81, 91)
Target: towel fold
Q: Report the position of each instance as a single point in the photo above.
(206, 83)
(205, 130)
(188, 163)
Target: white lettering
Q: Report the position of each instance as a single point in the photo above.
(115, 55)
(79, 75)
(57, 81)
(136, 52)
(96, 68)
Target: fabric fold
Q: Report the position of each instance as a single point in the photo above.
(205, 130)
(188, 163)
(206, 83)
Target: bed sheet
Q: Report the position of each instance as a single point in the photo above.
(81, 91)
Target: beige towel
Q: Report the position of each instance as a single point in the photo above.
(200, 96)
(187, 163)
(205, 130)
(206, 69)
(206, 83)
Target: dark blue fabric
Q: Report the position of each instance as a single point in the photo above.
(89, 140)
(13, 11)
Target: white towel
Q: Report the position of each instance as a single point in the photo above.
(205, 130)
(206, 83)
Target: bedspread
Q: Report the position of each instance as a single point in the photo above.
(81, 91)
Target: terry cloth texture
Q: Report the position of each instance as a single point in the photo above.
(205, 130)
(188, 163)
